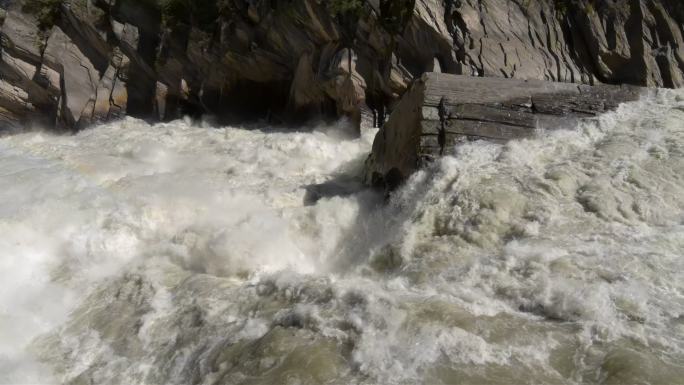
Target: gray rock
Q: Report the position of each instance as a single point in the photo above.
(112, 95)
(25, 69)
(80, 77)
(440, 110)
(14, 99)
(288, 62)
(346, 86)
(161, 93)
(126, 33)
(305, 90)
(21, 37)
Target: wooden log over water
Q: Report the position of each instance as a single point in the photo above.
(441, 109)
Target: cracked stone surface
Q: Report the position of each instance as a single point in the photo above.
(281, 60)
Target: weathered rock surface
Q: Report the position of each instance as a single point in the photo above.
(292, 60)
(440, 110)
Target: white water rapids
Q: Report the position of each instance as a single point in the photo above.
(182, 254)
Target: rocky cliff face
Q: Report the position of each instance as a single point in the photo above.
(69, 63)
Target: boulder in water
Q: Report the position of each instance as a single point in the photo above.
(441, 109)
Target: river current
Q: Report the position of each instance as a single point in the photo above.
(184, 254)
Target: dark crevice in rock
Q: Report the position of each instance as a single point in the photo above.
(141, 83)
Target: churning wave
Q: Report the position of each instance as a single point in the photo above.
(177, 253)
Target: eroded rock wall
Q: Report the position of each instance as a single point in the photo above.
(635, 42)
(291, 60)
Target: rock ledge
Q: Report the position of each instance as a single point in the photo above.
(440, 109)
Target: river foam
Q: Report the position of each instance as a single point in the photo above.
(177, 253)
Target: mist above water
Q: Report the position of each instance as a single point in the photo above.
(177, 254)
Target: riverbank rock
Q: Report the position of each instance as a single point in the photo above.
(291, 61)
(441, 109)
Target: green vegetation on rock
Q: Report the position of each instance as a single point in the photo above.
(337, 7)
(395, 15)
(46, 11)
(201, 13)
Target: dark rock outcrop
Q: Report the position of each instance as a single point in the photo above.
(69, 63)
(440, 110)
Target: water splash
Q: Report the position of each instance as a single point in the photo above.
(176, 253)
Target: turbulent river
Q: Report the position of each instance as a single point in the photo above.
(182, 254)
